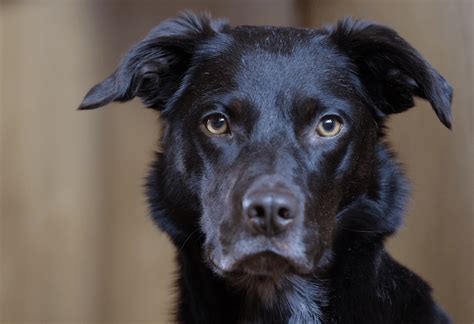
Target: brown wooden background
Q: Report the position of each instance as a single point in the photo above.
(75, 240)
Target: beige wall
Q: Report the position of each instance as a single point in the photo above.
(75, 242)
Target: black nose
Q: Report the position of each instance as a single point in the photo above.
(270, 212)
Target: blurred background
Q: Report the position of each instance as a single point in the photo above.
(76, 242)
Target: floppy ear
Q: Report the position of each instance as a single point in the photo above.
(154, 68)
(391, 70)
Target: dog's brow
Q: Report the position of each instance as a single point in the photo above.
(235, 106)
(231, 103)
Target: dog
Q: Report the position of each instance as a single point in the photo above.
(275, 182)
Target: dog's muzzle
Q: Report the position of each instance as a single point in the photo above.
(269, 238)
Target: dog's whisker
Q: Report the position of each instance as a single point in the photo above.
(362, 231)
(187, 239)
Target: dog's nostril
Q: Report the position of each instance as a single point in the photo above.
(284, 213)
(257, 212)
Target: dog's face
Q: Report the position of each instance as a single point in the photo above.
(277, 127)
(270, 132)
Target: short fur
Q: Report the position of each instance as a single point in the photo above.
(274, 84)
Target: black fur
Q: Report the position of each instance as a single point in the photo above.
(345, 193)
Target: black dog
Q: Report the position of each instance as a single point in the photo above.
(276, 184)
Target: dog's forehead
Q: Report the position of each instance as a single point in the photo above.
(284, 58)
(264, 62)
(263, 73)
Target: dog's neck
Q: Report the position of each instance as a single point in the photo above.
(293, 299)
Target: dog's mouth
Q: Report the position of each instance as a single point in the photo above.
(262, 264)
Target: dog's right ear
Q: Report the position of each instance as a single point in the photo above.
(154, 68)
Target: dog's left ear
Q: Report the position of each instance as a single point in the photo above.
(154, 69)
(391, 70)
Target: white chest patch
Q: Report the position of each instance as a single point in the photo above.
(305, 299)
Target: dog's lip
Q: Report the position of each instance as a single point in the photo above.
(263, 263)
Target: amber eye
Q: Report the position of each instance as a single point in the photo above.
(217, 124)
(329, 126)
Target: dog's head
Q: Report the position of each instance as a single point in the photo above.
(270, 133)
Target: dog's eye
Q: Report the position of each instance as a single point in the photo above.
(217, 124)
(329, 126)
